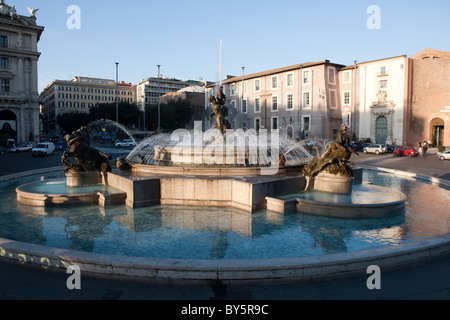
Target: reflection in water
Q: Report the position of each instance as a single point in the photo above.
(222, 233)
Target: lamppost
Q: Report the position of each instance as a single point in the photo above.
(143, 108)
(159, 97)
(242, 102)
(117, 96)
(354, 103)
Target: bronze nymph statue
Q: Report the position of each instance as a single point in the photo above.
(220, 111)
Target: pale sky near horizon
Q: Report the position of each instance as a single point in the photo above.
(184, 36)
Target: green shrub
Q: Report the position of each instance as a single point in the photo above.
(441, 148)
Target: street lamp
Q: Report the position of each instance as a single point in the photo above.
(117, 96)
(143, 108)
(159, 97)
(242, 102)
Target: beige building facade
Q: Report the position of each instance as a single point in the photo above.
(375, 99)
(301, 100)
(79, 95)
(19, 96)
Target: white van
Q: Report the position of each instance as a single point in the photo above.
(43, 149)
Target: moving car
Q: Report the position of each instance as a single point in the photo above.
(444, 155)
(375, 148)
(406, 151)
(126, 143)
(43, 149)
(61, 146)
(26, 147)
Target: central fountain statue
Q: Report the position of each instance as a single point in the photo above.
(220, 111)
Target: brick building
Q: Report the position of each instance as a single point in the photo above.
(429, 113)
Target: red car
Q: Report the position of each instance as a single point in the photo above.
(406, 151)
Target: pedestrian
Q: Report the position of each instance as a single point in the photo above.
(425, 148)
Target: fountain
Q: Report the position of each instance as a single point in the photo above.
(222, 205)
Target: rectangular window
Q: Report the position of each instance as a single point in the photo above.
(4, 62)
(233, 104)
(5, 86)
(257, 124)
(306, 100)
(290, 101)
(306, 124)
(347, 77)
(306, 77)
(257, 85)
(290, 80)
(244, 106)
(274, 103)
(347, 98)
(383, 71)
(332, 75)
(275, 82)
(257, 105)
(333, 99)
(233, 89)
(274, 123)
(383, 84)
(4, 41)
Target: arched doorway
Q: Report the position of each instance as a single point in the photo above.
(290, 132)
(381, 130)
(437, 132)
(8, 126)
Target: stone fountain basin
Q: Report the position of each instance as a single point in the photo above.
(56, 193)
(365, 202)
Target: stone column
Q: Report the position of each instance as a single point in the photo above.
(21, 124)
(373, 126)
(20, 82)
(390, 121)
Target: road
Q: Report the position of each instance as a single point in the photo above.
(423, 282)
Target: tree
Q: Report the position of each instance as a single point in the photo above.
(72, 121)
(129, 113)
(175, 114)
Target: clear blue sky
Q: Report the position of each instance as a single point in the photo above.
(184, 36)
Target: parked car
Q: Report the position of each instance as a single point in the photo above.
(61, 146)
(375, 148)
(406, 151)
(444, 155)
(126, 143)
(2, 150)
(10, 143)
(43, 149)
(26, 147)
(390, 148)
(359, 146)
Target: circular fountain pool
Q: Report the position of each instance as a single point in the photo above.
(208, 237)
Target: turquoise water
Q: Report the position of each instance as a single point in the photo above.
(59, 186)
(221, 233)
(361, 194)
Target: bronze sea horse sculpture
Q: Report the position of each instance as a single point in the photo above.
(335, 160)
(86, 157)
